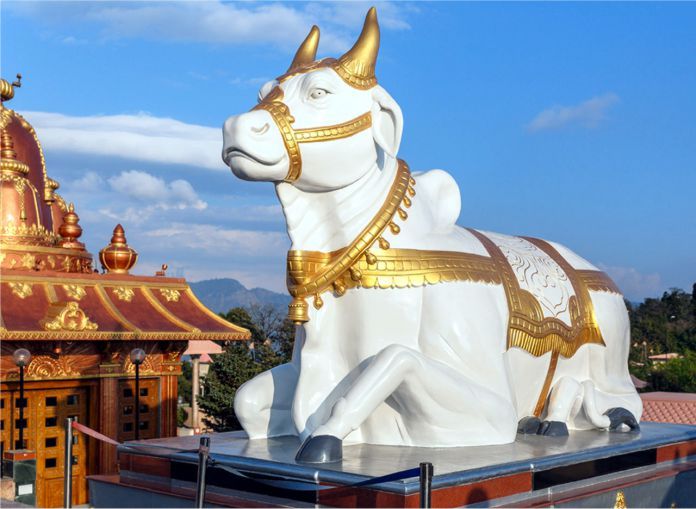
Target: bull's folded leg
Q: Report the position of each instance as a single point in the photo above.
(619, 416)
(425, 384)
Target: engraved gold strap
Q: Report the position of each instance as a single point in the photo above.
(335, 132)
(280, 113)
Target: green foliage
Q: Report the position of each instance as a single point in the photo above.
(271, 342)
(675, 375)
(180, 416)
(665, 325)
(184, 382)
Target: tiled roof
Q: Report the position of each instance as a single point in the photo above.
(674, 407)
(55, 306)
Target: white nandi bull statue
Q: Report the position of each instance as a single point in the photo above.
(412, 330)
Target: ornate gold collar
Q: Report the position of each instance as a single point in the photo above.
(333, 267)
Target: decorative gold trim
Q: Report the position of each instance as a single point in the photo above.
(128, 281)
(170, 294)
(201, 307)
(67, 316)
(28, 261)
(51, 294)
(348, 257)
(541, 401)
(398, 268)
(527, 327)
(335, 132)
(281, 115)
(113, 310)
(123, 293)
(620, 502)
(597, 281)
(21, 290)
(165, 312)
(189, 332)
(11, 165)
(75, 291)
(39, 335)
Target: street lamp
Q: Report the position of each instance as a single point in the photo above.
(22, 358)
(137, 356)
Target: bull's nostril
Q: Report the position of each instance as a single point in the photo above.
(261, 130)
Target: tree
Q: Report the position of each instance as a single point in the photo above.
(676, 375)
(270, 345)
(228, 371)
(185, 382)
(275, 329)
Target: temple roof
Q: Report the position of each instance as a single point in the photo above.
(69, 306)
(49, 286)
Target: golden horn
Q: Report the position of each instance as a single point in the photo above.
(357, 66)
(307, 51)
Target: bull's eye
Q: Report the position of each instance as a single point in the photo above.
(318, 93)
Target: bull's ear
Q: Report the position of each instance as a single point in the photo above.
(387, 121)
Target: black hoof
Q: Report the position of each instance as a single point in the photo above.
(618, 416)
(320, 449)
(528, 425)
(553, 429)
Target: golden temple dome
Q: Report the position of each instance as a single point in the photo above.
(31, 212)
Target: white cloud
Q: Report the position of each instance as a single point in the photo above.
(587, 114)
(140, 137)
(154, 191)
(281, 24)
(90, 182)
(73, 41)
(216, 240)
(635, 285)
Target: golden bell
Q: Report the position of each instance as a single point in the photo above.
(297, 311)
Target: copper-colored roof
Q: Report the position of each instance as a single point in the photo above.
(49, 289)
(71, 306)
(674, 407)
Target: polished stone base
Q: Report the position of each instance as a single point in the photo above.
(533, 470)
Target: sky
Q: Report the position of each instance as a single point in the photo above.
(573, 122)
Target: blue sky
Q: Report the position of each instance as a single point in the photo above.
(567, 121)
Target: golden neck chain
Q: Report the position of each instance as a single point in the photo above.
(280, 113)
(333, 269)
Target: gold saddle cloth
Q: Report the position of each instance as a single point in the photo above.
(549, 303)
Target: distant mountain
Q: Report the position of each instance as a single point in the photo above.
(221, 295)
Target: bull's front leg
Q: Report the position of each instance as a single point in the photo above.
(380, 379)
(431, 390)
